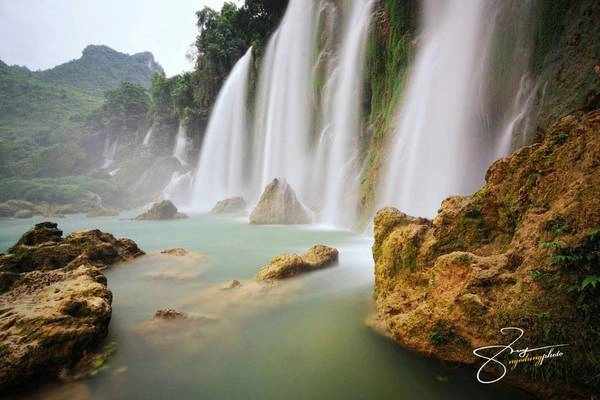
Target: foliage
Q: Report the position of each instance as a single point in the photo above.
(101, 68)
(389, 52)
(124, 109)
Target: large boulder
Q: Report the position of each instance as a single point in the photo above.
(518, 253)
(162, 210)
(233, 205)
(279, 205)
(55, 306)
(288, 265)
(43, 248)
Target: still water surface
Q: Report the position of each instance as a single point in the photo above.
(303, 339)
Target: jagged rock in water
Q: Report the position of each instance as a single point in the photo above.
(175, 251)
(163, 210)
(169, 313)
(102, 212)
(447, 286)
(43, 248)
(279, 205)
(233, 284)
(233, 205)
(288, 265)
(55, 305)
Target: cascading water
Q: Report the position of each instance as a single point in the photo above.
(179, 189)
(183, 144)
(223, 164)
(147, 137)
(110, 151)
(283, 121)
(443, 142)
(343, 123)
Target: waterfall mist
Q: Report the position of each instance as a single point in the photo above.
(446, 135)
(183, 144)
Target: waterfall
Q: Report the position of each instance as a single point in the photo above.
(445, 135)
(179, 189)
(222, 167)
(147, 137)
(343, 123)
(110, 151)
(183, 145)
(283, 120)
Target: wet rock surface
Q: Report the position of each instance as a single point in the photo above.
(279, 205)
(160, 211)
(234, 205)
(288, 265)
(55, 306)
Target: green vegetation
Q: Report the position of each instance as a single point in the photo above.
(389, 52)
(101, 68)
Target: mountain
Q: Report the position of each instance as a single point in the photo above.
(40, 110)
(100, 68)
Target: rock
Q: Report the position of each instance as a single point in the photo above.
(24, 214)
(233, 284)
(55, 306)
(49, 320)
(40, 233)
(232, 205)
(288, 265)
(279, 205)
(175, 251)
(447, 286)
(169, 314)
(43, 248)
(159, 211)
(102, 212)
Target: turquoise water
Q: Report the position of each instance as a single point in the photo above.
(305, 338)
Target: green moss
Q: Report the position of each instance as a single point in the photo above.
(389, 52)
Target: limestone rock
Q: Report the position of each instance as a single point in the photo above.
(55, 306)
(233, 284)
(175, 251)
(43, 248)
(288, 265)
(169, 313)
(447, 286)
(233, 205)
(159, 211)
(279, 205)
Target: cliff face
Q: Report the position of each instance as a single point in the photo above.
(517, 253)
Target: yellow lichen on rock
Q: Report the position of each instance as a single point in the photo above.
(446, 287)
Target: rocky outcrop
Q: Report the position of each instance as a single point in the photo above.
(43, 248)
(55, 306)
(169, 313)
(288, 265)
(175, 251)
(234, 205)
(159, 211)
(279, 205)
(517, 253)
(102, 212)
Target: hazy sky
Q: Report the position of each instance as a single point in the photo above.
(43, 33)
